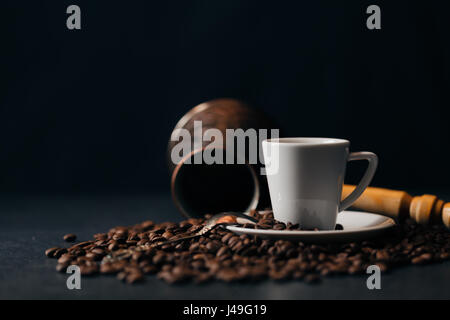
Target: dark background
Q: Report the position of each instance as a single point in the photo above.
(91, 110)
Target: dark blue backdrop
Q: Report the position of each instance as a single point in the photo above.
(92, 110)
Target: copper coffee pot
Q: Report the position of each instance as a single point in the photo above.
(198, 189)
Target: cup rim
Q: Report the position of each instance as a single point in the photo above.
(308, 141)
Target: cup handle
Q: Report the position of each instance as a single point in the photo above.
(366, 179)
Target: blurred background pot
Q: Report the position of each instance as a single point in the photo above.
(198, 189)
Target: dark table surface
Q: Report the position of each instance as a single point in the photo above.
(29, 225)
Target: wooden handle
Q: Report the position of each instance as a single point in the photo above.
(400, 205)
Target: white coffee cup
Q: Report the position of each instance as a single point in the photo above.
(306, 175)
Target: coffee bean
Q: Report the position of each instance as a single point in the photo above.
(122, 275)
(228, 275)
(293, 226)
(93, 256)
(227, 237)
(107, 268)
(51, 252)
(137, 256)
(279, 274)
(167, 235)
(424, 258)
(232, 241)
(150, 269)
(58, 253)
(382, 255)
(158, 259)
(181, 246)
(157, 238)
(98, 251)
(213, 246)
(61, 267)
(383, 267)
(65, 258)
(202, 277)
(70, 237)
(82, 244)
(147, 225)
(113, 246)
(444, 256)
(171, 277)
(167, 247)
(198, 256)
(221, 251)
(100, 236)
(89, 269)
(77, 252)
(134, 277)
(279, 226)
(238, 247)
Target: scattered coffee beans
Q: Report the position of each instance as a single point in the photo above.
(70, 237)
(267, 221)
(131, 252)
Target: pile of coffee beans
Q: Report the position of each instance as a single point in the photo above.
(131, 252)
(265, 220)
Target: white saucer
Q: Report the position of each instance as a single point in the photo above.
(357, 226)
